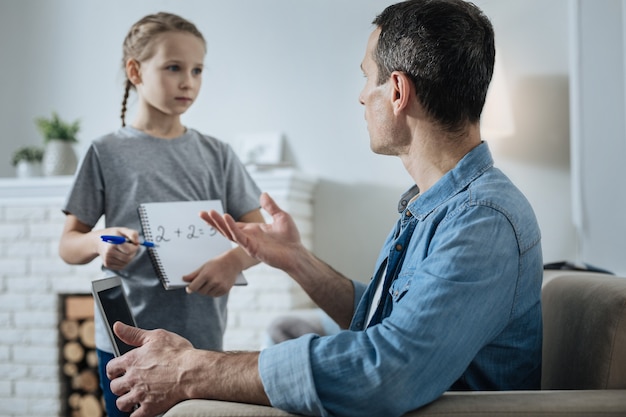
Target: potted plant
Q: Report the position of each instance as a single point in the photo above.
(27, 161)
(59, 156)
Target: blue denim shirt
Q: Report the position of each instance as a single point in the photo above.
(461, 307)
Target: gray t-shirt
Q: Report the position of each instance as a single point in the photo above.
(128, 167)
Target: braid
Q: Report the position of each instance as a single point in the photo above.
(126, 93)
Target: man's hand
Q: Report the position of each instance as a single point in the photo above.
(165, 369)
(275, 244)
(278, 244)
(151, 377)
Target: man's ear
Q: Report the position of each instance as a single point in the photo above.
(132, 71)
(401, 87)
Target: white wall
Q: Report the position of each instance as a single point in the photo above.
(293, 66)
(599, 130)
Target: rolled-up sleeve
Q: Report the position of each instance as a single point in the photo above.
(287, 374)
(287, 377)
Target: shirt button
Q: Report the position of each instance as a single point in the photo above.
(408, 214)
(398, 247)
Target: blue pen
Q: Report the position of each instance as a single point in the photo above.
(118, 240)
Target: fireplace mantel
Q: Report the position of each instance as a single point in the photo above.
(277, 181)
(34, 190)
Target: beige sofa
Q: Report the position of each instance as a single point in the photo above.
(584, 361)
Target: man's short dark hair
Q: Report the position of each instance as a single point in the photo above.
(447, 48)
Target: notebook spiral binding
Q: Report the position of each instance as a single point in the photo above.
(152, 253)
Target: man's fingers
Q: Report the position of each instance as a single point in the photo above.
(215, 220)
(226, 225)
(269, 205)
(236, 235)
(130, 335)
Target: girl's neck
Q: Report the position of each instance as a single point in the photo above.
(170, 129)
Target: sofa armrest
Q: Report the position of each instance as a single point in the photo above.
(580, 403)
(527, 403)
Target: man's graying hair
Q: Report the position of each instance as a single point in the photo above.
(139, 42)
(447, 48)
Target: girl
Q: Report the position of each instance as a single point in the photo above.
(157, 158)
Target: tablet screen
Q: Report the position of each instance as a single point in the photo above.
(115, 308)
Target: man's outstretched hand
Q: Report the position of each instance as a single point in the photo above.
(276, 244)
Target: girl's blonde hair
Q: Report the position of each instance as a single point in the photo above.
(138, 42)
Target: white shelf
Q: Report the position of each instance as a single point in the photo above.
(278, 182)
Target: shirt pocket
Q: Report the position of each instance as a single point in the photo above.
(400, 286)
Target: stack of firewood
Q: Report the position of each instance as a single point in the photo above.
(79, 362)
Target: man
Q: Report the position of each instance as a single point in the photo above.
(455, 299)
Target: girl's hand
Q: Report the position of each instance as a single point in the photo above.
(215, 277)
(114, 256)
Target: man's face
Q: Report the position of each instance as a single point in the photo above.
(377, 102)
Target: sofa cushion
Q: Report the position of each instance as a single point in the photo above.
(454, 404)
(208, 408)
(584, 344)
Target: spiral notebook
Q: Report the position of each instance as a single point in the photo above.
(184, 241)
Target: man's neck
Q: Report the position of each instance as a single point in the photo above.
(433, 153)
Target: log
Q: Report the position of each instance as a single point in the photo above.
(92, 359)
(90, 406)
(70, 369)
(88, 380)
(79, 307)
(73, 352)
(69, 329)
(88, 334)
(74, 400)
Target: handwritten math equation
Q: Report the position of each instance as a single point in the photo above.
(191, 232)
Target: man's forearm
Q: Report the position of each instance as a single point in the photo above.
(330, 290)
(166, 369)
(227, 376)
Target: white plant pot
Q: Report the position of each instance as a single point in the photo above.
(25, 169)
(59, 158)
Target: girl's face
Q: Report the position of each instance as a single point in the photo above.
(169, 81)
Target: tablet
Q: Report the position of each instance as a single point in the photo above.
(111, 300)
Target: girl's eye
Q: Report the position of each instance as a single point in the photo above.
(197, 71)
(173, 68)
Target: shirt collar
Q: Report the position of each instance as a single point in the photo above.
(470, 167)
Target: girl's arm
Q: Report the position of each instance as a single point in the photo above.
(80, 244)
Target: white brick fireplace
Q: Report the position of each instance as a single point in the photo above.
(32, 277)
